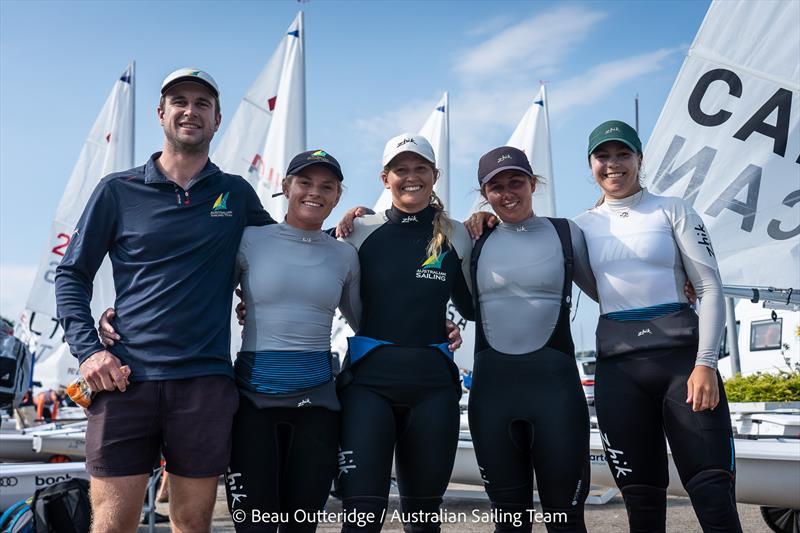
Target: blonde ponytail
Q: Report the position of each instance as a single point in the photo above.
(442, 227)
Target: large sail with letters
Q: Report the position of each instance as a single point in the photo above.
(108, 148)
(728, 139)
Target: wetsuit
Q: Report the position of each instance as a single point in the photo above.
(285, 433)
(527, 410)
(642, 249)
(399, 387)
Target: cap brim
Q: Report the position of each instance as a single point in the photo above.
(497, 171)
(192, 79)
(422, 155)
(336, 171)
(620, 139)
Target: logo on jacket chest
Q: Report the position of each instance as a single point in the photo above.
(431, 268)
(220, 206)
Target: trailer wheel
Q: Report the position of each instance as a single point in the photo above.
(781, 519)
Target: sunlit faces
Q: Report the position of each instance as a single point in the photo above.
(312, 196)
(410, 178)
(189, 117)
(615, 168)
(510, 193)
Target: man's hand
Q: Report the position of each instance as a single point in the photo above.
(103, 371)
(688, 291)
(108, 335)
(703, 389)
(345, 226)
(453, 335)
(476, 221)
(241, 309)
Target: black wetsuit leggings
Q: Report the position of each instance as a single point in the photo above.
(639, 398)
(528, 413)
(283, 459)
(402, 402)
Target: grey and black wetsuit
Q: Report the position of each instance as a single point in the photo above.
(399, 388)
(527, 411)
(642, 250)
(285, 433)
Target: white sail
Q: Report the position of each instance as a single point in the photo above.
(268, 130)
(437, 130)
(269, 126)
(532, 136)
(728, 140)
(108, 148)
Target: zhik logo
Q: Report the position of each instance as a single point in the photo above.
(503, 158)
(406, 141)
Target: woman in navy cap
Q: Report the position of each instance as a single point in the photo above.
(527, 410)
(293, 277)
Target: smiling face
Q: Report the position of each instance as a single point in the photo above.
(189, 116)
(510, 193)
(410, 178)
(312, 196)
(615, 168)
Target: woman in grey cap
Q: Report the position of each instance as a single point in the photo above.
(656, 361)
(293, 277)
(527, 410)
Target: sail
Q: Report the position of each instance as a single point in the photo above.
(437, 130)
(269, 126)
(728, 140)
(532, 136)
(108, 148)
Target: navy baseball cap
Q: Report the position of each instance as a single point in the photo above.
(504, 158)
(314, 157)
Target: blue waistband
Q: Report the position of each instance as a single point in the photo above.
(360, 346)
(282, 372)
(646, 313)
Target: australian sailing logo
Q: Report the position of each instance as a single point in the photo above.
(431, 268)
(220, 207)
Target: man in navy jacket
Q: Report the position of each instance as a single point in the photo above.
(171, 228)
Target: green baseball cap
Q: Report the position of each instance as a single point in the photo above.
(615, 130)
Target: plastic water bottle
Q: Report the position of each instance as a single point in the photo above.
(82, 394)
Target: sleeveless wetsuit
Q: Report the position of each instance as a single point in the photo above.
(285, 433)
(642, 249)
(527, 410)
(399, 388)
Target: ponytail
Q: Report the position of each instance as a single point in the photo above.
(442, 227)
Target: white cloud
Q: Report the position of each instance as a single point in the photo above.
(15, 284)
(538, 43)
(601, 80)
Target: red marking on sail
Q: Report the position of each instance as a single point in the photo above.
(108, 138)
(271, 103)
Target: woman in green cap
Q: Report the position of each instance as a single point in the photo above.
(656, 362)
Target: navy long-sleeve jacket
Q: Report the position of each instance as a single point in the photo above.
(172, 253)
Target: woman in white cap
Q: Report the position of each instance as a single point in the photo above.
(399, 387)
(656, 367)
(527, 410)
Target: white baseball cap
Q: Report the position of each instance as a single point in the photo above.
(190, 74)
(408, 142)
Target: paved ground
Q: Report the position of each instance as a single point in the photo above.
(606, 518)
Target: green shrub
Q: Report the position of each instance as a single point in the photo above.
(781, 387)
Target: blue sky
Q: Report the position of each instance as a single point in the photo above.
(373, 69)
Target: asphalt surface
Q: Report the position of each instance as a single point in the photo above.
(469, 502)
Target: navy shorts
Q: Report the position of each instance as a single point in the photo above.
(188, 421)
